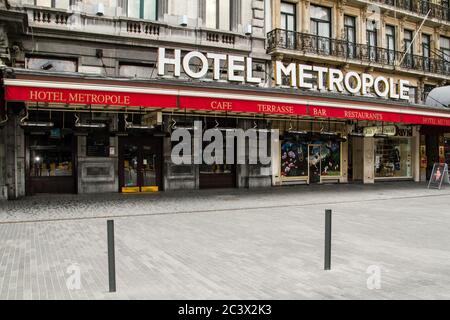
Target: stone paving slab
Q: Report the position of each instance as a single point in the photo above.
(49, 207)
(260, 253)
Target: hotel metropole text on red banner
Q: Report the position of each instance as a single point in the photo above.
(161, 100)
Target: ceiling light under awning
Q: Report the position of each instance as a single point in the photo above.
(78, 124)
(36, 124)
(43, 124)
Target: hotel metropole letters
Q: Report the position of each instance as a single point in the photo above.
(239, 69)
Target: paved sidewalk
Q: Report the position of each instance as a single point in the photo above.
(49, 207)
(231, 244)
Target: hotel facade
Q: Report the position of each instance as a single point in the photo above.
(92, 90)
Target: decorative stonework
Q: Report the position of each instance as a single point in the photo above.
(4, 44)
(258, 17)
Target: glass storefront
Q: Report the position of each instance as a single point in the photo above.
(393, 157)
(50, 153)
(50, 156)
(324, 156)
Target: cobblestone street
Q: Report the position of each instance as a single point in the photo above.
(230, 244)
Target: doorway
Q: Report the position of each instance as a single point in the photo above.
(432, 151)
(314, 160)
(222, 174)
(140, 164)
(355, 159)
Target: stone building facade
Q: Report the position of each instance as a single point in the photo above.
(50, 49)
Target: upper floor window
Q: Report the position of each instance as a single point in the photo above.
(408, 4)
(142, 9)
(350, 28)
(59, 4)
(288, 16)
(390, 43)
(446, 9)
(444, 43)
(412, 94)
(426, 40)
(408, 36)
(372, 39)
(320, 24)
(137, 71)
(350, 35)
(288, 23)
(218, 14)
(390, 37)
(51, 64)
(408, 48)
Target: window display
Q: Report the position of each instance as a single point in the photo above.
(330, 153)
(295, 160)
(50, 157)
(393, 157)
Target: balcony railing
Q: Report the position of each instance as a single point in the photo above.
(438, 11)
(323, 46)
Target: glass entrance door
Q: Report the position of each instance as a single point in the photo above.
(314, 160)
(130, 164)
(148, 168)
(140, 168)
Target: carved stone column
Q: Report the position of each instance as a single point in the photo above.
(363, 26)
(340, 32)
(437, 37)
(306, 4)
(420, 90)
(401, 32)
(418, 42)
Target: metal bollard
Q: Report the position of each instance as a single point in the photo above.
(111, 257)
(327, 265)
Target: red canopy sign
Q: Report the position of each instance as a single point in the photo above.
(75, 96)
(234, 105)
(152, 100)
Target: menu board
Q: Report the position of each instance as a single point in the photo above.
(438, 175)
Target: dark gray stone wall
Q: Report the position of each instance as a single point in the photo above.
(14, 147)
(3, 187)
(97, 174)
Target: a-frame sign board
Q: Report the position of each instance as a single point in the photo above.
(438, 176)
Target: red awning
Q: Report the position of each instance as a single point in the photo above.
(69, 93)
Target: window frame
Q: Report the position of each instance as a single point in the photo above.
(389, 37)
(445, 51)
(426, 45)
(347, 27)
(286, 15)
(407, 42)
(73, 59)
(351, 45)
(372, 33)
(318, 21)
(52, 4)
(141, 10)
